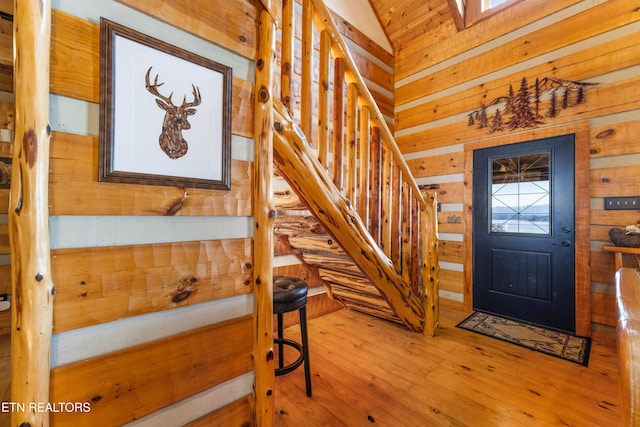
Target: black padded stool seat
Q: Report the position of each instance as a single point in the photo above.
(290, 294)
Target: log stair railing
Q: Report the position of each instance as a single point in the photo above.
(373, 234)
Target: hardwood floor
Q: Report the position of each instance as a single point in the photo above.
(370, 372)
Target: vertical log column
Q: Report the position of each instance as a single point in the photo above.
(363, 171)
(264, 217)
(430, 269)
(31, 283)
(288, 40)
(306, 79)
(323, 99)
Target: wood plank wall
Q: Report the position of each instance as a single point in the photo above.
(568, 39)
(153, 313)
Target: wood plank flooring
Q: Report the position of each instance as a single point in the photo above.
(368, 372)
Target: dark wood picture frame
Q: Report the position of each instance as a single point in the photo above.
(5, 171)
(141, 130)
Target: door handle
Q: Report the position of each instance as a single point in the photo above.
(565, 244)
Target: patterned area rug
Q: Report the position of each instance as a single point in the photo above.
(559, 344)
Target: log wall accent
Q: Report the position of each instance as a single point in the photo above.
(32, 286)
(432, 103)
(265, 214)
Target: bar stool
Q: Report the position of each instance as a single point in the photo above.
(290, 294)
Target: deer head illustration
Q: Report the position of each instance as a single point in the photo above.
(175, 118)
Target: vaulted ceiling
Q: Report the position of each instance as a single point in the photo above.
(405, 20)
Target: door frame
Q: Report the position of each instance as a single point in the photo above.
(582, 134)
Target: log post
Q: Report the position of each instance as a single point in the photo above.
(306, 78)
(288, 43)
(363, 171)
(31, 283)
(264, 217)
(323, 99)
(430, 269)
(352, 144)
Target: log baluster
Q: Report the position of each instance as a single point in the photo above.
(376, 185)
(364, 169)
(406, 225)
(416, 257)
(306, 97)
(287, 56)
(386, 201)
(323, 98)
(351, 145)
(396, 215)
(338, 122)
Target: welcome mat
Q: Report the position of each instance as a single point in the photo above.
(559, 344)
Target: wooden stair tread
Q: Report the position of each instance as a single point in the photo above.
(344, 281)
(298, 225)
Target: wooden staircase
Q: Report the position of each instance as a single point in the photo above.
(370, 232)
(345, 282)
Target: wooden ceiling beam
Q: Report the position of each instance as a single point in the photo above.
(457, 8)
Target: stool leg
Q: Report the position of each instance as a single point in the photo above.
(305, 349)
(280, 345)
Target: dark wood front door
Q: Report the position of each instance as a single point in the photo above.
(523, 231)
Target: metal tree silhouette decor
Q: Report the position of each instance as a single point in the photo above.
(523, 109)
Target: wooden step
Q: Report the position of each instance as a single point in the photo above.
(343, 280)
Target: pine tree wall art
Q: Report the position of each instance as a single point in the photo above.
(525, 108)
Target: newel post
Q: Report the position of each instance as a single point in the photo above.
(264, 218)
(430, 270)
(31, 284)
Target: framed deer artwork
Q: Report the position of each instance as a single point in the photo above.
(165, 113)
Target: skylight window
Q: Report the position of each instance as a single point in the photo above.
(488, 4)
(477, 10)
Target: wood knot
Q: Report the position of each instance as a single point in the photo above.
(185, 289)
(175, 208)
(181, 296)
(263, 94)
(605, 133)
(278, 127)
(260, 64)
(242, 38)
(30, 146)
